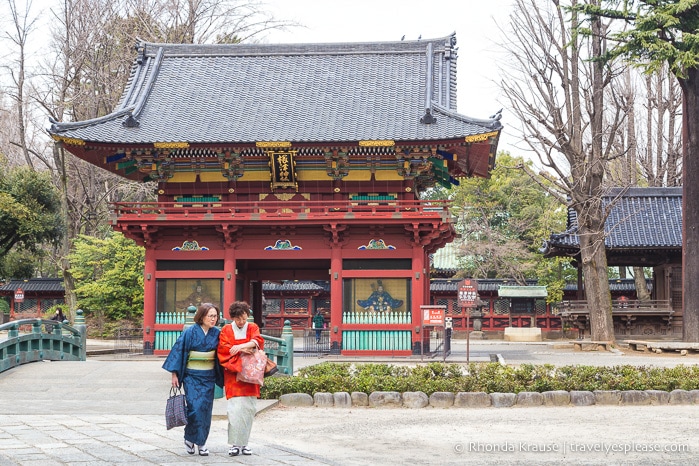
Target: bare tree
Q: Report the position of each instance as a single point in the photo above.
(92, 52)
(652, 141)
(653, 147)
(203, 21)
(561, 96)
(22, 27)
(661, 156)
(22, 133)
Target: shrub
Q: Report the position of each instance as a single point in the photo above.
(492, 377)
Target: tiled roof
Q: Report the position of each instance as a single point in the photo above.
(34, 285)
(642, 218)
(295, 285)
(290, 92)
(615, 285)
(446, 259)
(451, 285)
(507, 291)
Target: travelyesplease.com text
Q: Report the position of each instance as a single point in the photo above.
(569, 447)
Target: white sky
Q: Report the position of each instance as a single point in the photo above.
(475, 23)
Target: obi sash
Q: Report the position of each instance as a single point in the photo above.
(201, 361)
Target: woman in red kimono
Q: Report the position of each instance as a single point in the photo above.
(240, 337)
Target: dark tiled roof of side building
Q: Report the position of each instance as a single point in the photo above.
(286, 92)
(295, 285)
(451, 285)
(642, 218)
(53, 285)
(436, 285)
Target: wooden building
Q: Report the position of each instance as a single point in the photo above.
(644, 228)
(291, 162)
(35, 295)
(496, 313)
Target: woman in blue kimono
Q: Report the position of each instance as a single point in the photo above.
(193, 362)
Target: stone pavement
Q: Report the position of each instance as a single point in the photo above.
(109, 410)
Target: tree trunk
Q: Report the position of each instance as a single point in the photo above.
(639, 278)
(592, 233)
(690, 206)
(599, 300)
(64, 263)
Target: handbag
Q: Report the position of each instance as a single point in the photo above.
(270, 368)
(175, 409)
(253, 367)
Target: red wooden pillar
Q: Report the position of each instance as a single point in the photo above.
(149, 295)
(419, 297)
(335, 297)
(426, 277)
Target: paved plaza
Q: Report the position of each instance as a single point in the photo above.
(109, 410)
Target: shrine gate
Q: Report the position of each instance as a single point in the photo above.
(290, 162)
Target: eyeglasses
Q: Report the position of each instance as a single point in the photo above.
(214, 316)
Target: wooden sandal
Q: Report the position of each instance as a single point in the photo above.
(189, 447)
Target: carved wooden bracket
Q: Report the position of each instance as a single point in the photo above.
(335, 230)
(149, 233)
(231, 234)
(337, 164)
(424, 234)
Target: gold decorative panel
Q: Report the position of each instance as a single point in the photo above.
(283, 169)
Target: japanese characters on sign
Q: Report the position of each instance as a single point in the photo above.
(468, 293)
(433, 315)
(283, 169)
(19, 295)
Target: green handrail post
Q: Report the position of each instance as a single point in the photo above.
(82, 328)
(288, 337)
(189, 319)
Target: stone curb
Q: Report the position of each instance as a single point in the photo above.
(417, 400)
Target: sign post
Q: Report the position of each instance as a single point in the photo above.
(468, 299)
(448, 325)
(432, 316)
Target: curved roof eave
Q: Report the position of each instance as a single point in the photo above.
(58, 127)
(492, 124)
(169, 99)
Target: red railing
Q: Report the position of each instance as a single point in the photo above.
(273, 210)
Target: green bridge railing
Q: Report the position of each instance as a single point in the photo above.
(281, 350)
(44, 340)
(278, 349)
